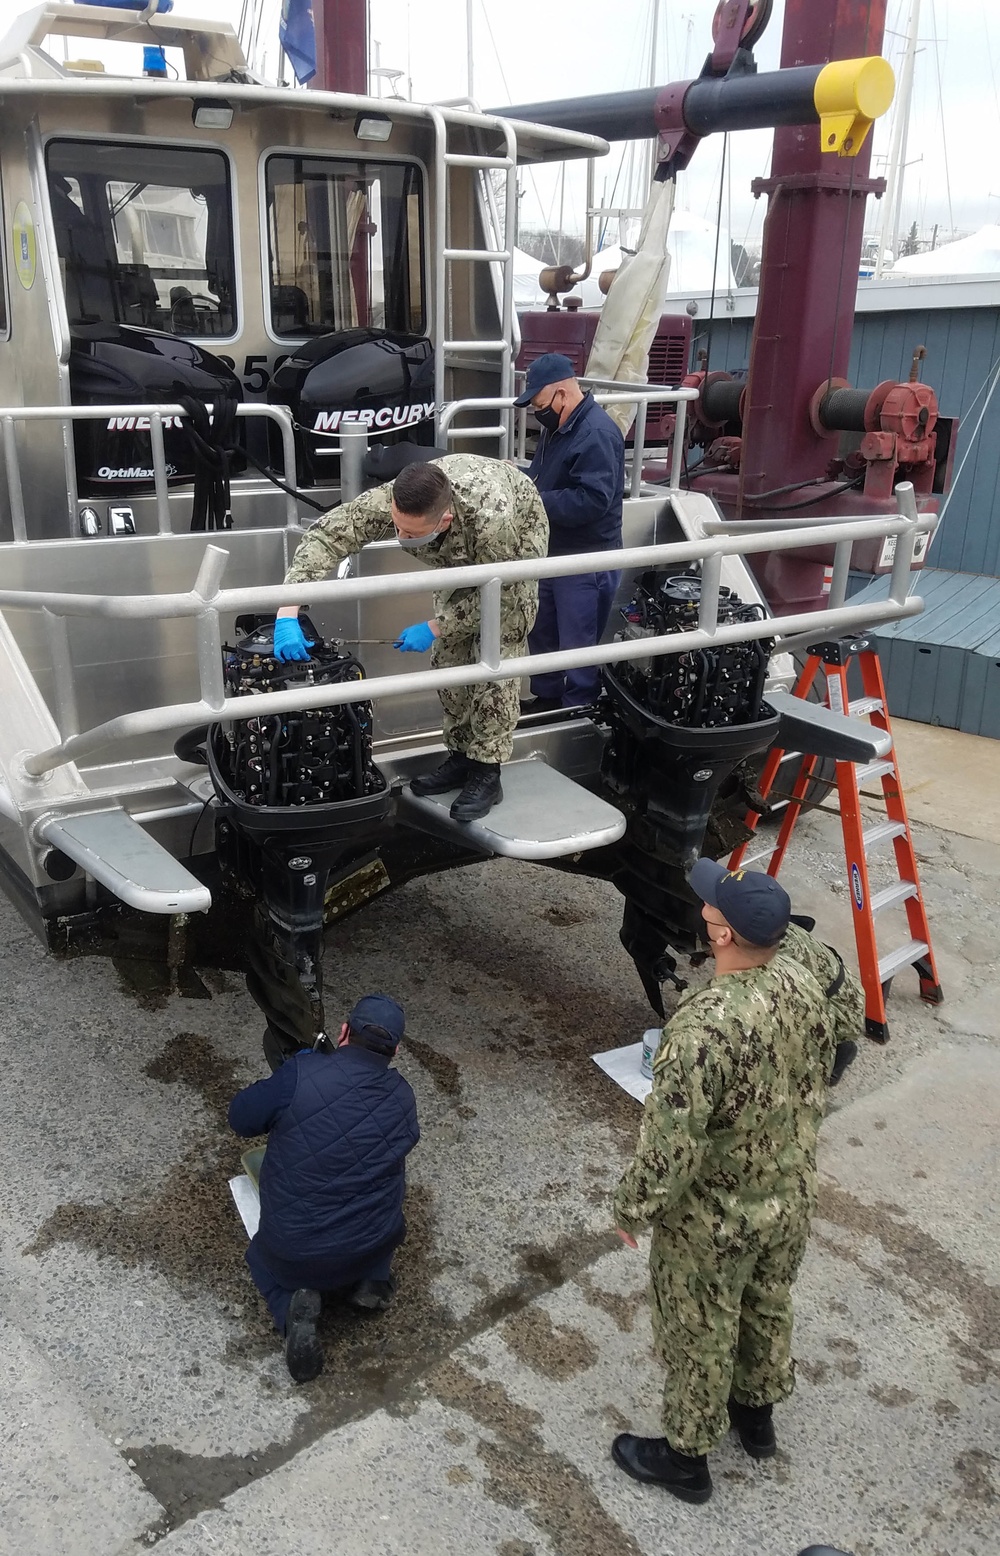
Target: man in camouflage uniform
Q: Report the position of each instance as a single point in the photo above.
(457, 511)
(725, 1173)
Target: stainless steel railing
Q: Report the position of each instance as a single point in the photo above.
(10, 415)
(606, 392)
(206, 602)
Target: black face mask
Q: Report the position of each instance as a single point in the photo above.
(548, 418)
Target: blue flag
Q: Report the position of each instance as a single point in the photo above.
(298, 38)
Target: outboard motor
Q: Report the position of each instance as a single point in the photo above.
(381, 380)
(680, 726)
(299, 802)
(121, 364)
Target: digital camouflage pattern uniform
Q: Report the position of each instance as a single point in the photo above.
(847, 1004)
(497, 516)
(725, 1173)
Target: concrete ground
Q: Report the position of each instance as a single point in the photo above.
(143, 1399)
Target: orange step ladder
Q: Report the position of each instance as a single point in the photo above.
(877, 971)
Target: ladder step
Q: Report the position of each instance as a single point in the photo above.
(882, 833)
(498, 255)
(873, 770)
(892, 896)
(905, 956)
(503, 346)
(862, 706)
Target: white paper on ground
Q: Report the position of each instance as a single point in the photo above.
(247, 1202)
(624, 1066)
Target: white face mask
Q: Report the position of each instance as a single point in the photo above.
(414, 542)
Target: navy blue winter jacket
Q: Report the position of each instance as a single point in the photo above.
(579, 471)
(339, 1126)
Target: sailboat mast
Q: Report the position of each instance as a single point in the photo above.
(892, 200)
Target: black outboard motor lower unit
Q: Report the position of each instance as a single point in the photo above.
(120, 364)
(681, 725)
(299, 803)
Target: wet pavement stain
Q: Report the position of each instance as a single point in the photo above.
(186, 1227)
(889, 1394)
(973, 1469)
(190, 1060)
(443, 1071)
(916, 1255)
(527, 1475)
(555, 1350)
(622, 1307)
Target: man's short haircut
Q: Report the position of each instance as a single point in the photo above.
(422, 491)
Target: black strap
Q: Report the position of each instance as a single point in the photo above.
(838, 982)
(210, 433)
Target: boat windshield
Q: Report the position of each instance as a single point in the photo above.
(344, 240)
(144, 235)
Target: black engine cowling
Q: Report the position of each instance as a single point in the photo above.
(382, 380)
(120, 364)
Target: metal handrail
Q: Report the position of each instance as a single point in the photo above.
(609, 392)
(207, 600)
(155, 414)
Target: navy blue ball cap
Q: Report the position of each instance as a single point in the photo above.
(379, 1018)
(755, 905)
(552, 368)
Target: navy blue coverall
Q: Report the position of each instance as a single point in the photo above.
(339, 1128)
(579, 471)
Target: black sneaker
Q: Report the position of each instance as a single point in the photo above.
(653, 1461)
(755, 1428)
(480, 792)
(371, 1296)
(303, 1352)
(541, 705)
(450, 775)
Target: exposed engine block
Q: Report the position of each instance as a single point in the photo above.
(308, 757)
(708, 688)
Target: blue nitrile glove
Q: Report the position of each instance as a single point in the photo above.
(289, 639)
(415, 640)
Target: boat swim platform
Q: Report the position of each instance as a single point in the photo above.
(543, 815)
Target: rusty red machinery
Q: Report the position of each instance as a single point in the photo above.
(791, 435)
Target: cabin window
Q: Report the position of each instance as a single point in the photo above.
(144, 235)
(345, 245)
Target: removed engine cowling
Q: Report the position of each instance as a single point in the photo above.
(120, 364)
(382, 380)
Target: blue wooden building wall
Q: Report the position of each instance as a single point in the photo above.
(962, 345)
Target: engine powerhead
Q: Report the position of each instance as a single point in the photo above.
(707, 688)
(308, 757)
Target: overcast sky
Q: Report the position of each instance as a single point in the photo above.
(524, 52)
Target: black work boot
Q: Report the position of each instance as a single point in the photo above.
(655, 1463)
(450, 775)
(755, 1428)
(844, 1057)
(303, 1352)
(480, 792)
(371, 1296)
